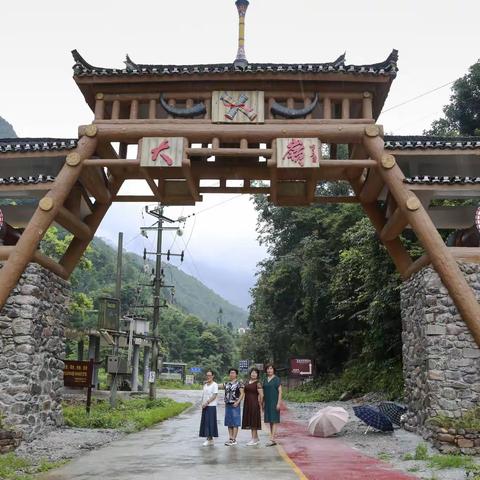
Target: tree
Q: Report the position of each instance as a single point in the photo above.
(462, 114)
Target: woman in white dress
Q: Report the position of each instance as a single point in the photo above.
(208, 425)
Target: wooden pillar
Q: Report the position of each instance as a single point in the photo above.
(80, 349)
(92, 347)
(345, 108)
(152, 109)
(99, 106)
(43, 217)
(367, 108)
(97, 361)
(327, 108)
(146, 367)
(135, 363)
(442, 260)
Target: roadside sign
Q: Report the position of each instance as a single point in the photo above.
(78, 374)
(196, 370)
(151, 377)
(301, 367)
(189, 379)
(243, 366)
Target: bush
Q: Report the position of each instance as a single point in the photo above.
(356, 379)
(128, 415)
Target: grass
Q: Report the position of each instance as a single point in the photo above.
(16, 468)
(177, 385)
(128, 416)
(470, 419)
(421, 452)
(356, 379)
(385, 456)
(442, 462)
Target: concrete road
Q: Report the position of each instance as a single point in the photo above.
(173, 451)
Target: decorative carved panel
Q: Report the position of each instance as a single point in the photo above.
(161, 151)
(298, 152)
(238, 107)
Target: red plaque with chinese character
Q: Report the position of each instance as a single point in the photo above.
(77, 374)
(298, 152)
(301, 367)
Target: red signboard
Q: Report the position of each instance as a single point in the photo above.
(77, 374)
(301, 367)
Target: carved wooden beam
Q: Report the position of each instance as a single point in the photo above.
(204, 132)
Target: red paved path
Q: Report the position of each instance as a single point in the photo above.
(330, 458)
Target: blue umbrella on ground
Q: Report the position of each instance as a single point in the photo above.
(393, 411)
(373, 417)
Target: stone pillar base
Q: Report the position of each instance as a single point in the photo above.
(32, 346)
(441, 361)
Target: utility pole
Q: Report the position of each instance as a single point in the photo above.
(118, 291)
(157, 285)
(156, 301)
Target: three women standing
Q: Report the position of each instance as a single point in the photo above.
(272, 391)
(252, 406)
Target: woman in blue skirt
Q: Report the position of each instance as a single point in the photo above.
(208, 425)
(233, 397)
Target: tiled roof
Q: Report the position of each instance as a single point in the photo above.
(432, 180)
(8, 145)
(387, 68)
(428, 142)
(26, 180)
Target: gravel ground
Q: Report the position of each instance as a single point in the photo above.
(390, 447)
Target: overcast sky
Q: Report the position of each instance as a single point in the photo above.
(437, 39)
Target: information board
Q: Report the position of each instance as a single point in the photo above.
(301, 367)
(77, 374)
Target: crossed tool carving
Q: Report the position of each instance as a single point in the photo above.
(234, 107)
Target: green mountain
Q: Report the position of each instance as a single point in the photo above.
(191, 296)
(6, 130)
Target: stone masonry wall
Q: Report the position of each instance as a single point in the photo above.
(32, 344)
(441, 361)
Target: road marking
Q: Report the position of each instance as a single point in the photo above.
(287, 459)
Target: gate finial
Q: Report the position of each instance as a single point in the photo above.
(241, 60)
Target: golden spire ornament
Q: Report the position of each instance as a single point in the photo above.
(241, 60)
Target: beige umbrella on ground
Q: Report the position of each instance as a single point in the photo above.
(327, 421)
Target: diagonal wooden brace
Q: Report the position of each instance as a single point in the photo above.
(43, 217)
(441, 258)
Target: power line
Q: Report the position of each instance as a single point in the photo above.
(418, 96)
